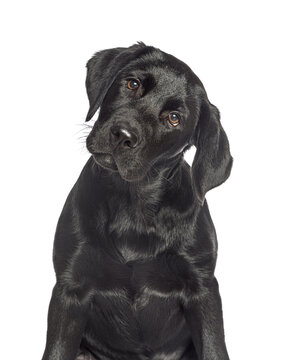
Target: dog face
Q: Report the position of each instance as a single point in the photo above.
(152, 108)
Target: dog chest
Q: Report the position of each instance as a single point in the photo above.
(137, 318)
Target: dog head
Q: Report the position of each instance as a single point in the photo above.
(153, 108)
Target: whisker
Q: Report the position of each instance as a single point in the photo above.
(84, 132)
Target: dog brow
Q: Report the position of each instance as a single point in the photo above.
(173, 104)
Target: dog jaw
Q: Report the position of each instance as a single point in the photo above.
(105, 160)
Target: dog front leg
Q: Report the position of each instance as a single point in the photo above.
(66, 323)
(205, 320)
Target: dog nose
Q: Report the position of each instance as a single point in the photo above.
(123, 137)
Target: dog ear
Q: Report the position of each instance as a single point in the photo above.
(213, 162)
(102, 70)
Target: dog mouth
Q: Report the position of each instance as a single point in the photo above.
(105, 160)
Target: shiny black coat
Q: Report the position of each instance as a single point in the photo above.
(135, 247)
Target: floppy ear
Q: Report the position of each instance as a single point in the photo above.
(213, 162)
(102, 70)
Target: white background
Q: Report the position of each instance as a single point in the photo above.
(239, 49)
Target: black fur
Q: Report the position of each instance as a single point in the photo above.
(135, 247)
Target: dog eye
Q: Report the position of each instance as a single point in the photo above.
(174, 119)
(132, 84)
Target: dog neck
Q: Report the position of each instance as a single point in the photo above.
(147, 194)
(144, 197)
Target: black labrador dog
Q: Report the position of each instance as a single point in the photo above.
(135, 247)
